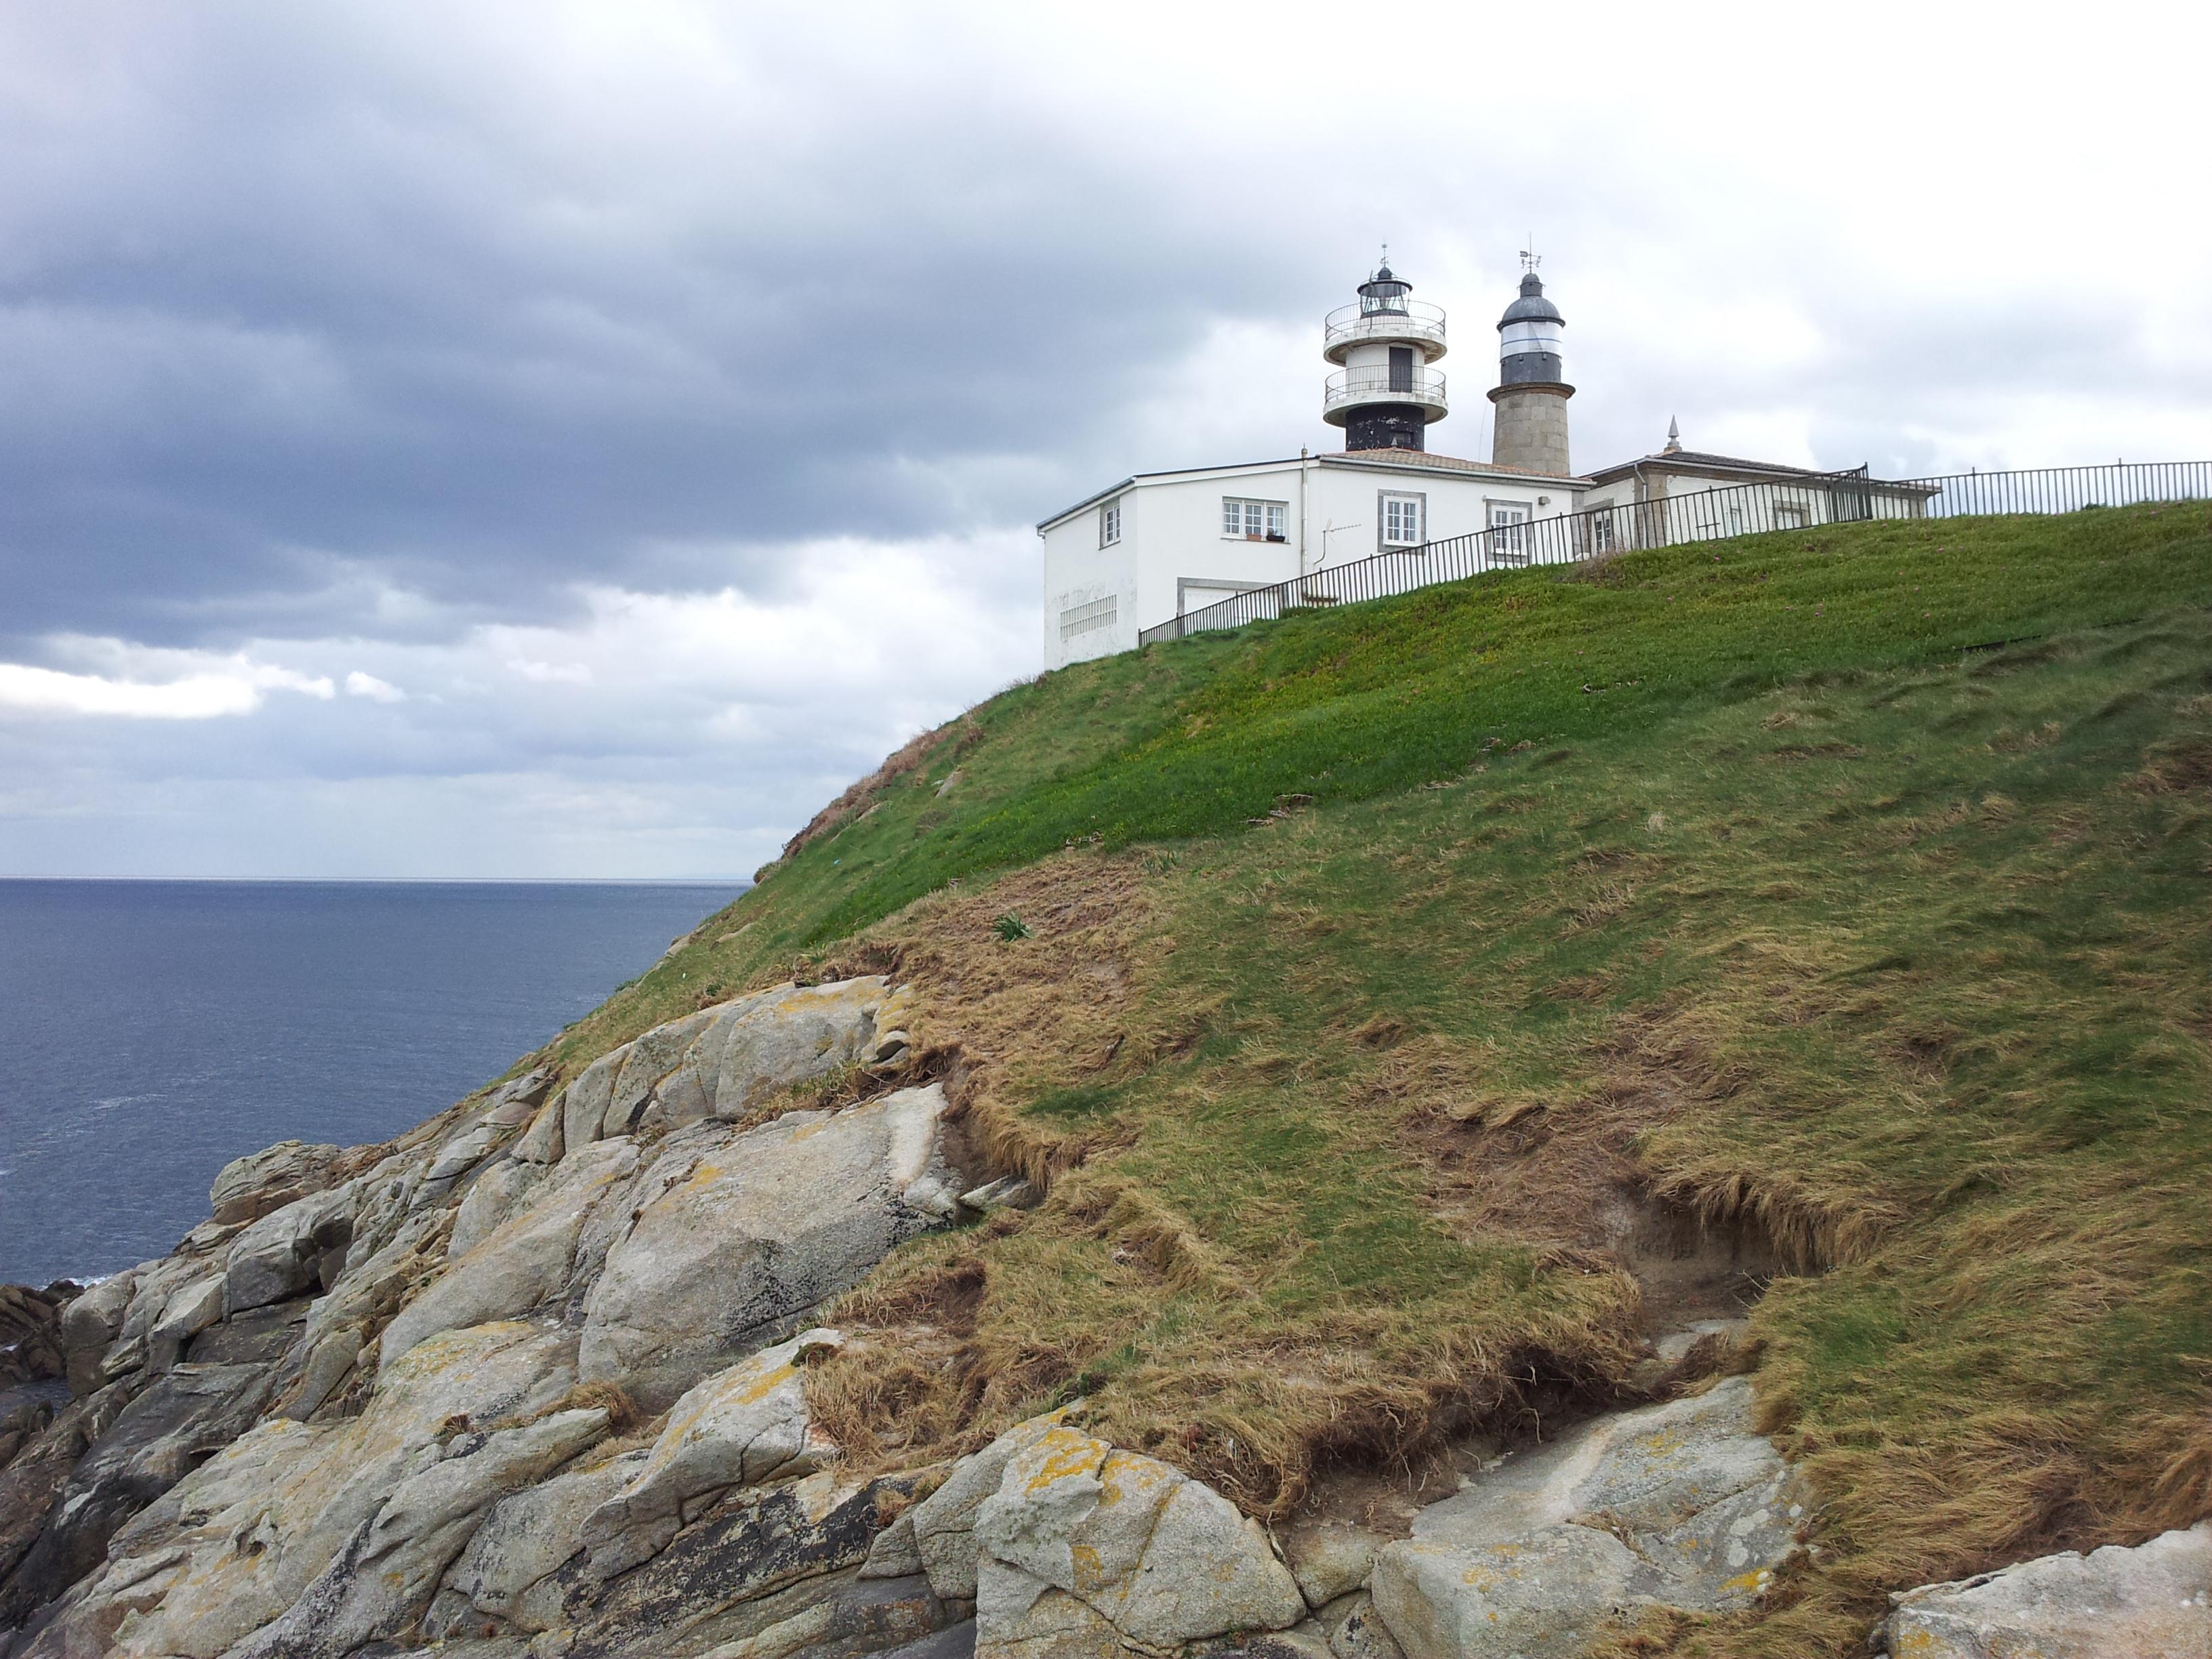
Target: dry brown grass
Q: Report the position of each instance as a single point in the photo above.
(1012, 1020)
(1002, 1021)
(623, 1415)
(962, 1335)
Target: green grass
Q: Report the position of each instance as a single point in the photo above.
(1913, 964)
(1192, 739)
(1862, 898)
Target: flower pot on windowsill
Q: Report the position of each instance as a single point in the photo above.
(1284, 539)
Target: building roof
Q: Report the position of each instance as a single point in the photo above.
(1692, 460)
(1532, 306)
(1135, 478)
(1403, 458)
(1448, 463)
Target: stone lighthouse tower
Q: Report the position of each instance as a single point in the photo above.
(1531, 428)
(1384, 394)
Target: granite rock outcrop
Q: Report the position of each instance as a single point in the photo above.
(530, 1382)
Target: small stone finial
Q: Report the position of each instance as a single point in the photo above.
(1673, 437)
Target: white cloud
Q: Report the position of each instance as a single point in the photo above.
(358, 684)
(235, 687)
(671, 733)
(550, 673)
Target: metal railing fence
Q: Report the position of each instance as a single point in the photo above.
(1382, 385)
(1696, 516)
(1405, 319)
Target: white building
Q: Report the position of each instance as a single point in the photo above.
(1160, 545)
(1679, 494)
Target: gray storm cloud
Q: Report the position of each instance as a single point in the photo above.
(630, 416)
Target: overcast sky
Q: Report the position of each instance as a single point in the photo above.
(541, 438)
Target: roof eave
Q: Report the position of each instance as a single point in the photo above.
(1473, 470)
(1136, 478)
(1755, 472)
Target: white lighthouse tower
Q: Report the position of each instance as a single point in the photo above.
(1384, 394)
(1531, 426)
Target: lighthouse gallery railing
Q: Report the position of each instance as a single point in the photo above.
(1699, 516)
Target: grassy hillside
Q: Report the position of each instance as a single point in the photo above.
(1193, 739)
(1850, 891)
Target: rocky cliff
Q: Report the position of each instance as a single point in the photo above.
(530, 1380)
(1410, 1135)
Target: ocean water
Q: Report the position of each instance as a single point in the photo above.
(151, 1032)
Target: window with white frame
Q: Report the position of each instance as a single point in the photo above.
(1401, 518)
(1255, 521)
(1089, 617)
(1790, 515)
(1509, 531)
(1110, 523)
(1600, 531)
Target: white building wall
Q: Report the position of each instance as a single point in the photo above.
(1188, 562)
(1174, 557)
(1348, 504)
(1079, 573)
(1741, 507)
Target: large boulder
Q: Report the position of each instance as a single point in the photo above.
(455, 1157)
(151, 1285)
(30, 1335)
(1085, 1549)
(296, 1248)
(492, 1197)
(234, 1544)
(754, 1562)
(942, 1525)
(584, 1102)
(188, 1311)
(740, 1428)
(514, 1105)
(545, 1140)
(2154, 1601)
(738, 1238)
(650, 1059)
(524, 1540)
(247, 1188)
(723, 1063)
(380, 1583)
(89, 1326)
(527, 1259)
(177, 1424)
(755, 1046)
(1682, 1505)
